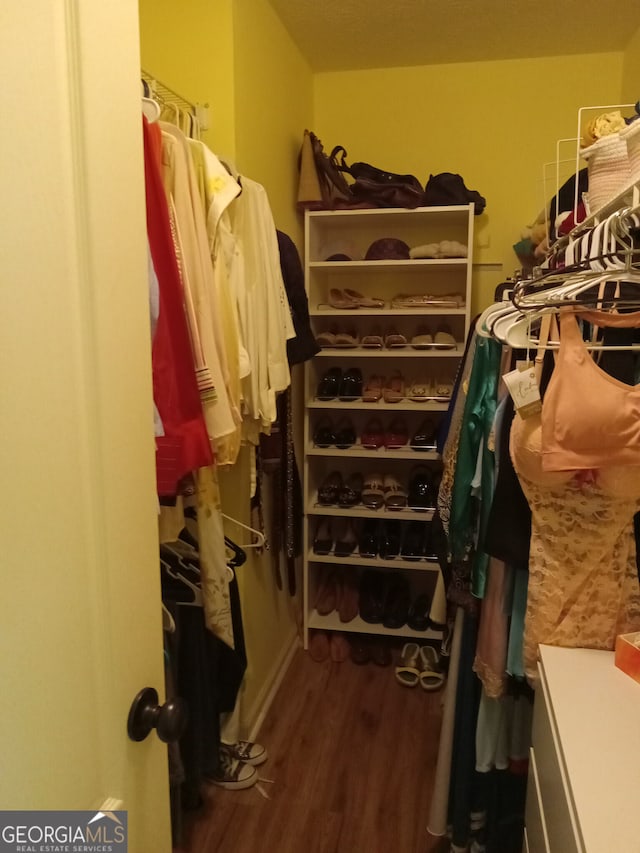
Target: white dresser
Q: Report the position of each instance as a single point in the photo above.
(584, 776)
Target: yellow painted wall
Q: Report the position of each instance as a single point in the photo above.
(631, 70)
(495, 123)
(273, 90)
(273, 105)
(238, 57)
(188, 46)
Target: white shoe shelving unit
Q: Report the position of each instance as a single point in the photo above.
(351, 232)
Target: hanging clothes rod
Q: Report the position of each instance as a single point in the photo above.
(165, 94)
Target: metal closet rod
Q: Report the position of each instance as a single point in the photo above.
(165, 93)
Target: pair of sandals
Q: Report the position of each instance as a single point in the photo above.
(392, 339)
(420, 665)
(424, 389)
(387, 491)
(335, 339)
(443, 339)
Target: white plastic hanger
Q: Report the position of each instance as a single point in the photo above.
(259, 536)
(168, 622)
(151, 109)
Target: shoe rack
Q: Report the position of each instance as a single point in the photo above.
(434, 307)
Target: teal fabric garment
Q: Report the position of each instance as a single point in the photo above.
(477, 421)
(515, 654)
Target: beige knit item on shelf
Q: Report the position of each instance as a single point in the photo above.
(608, 168)
(631, 137)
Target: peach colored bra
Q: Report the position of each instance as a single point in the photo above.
(590, 420)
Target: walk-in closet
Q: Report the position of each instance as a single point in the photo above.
(321, 426)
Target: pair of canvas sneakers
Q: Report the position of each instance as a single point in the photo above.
(237, 765)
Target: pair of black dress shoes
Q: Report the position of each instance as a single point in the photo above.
(387, 598)
(342, 434)
(423, 489)
(345, 386)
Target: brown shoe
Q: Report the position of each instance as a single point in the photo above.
(319, 646)
(349, 596)
(338, 647)
(380, 652)
(359, 649)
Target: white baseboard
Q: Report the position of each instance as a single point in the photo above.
(264, 700)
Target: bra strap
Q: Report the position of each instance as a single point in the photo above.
(543, 337)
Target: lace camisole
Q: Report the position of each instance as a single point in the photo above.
(583, 584)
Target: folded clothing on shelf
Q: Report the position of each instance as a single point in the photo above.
(443, 249)
(427, 300)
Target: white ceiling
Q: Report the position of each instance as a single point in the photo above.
(337, 35)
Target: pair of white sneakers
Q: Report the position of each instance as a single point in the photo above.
(238, 762)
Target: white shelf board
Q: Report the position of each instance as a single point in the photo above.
(381, 406)
(426, 564)
(386, 313)
(392, 213)
(357, 452)
(394, 352)
(419, 264)
(332, 622)
(360, 511)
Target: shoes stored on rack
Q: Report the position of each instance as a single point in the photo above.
(422, 492)
(424, 438)
(323, 539)
(397, 434)
(335, 338)
(350, 387)
(413, 544)
(329, 384)
(351, 492)
(368, 541)
(345, 538)
(372, 437)
(373, 595)
(418, 615)
(389, 539)
(397, 602)
(330, 489)
(345, 435)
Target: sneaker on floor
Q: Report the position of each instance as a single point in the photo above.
(247, 751)
(233, 774)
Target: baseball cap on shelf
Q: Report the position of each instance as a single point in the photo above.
(387, 249)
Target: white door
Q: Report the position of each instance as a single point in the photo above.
(81, 623)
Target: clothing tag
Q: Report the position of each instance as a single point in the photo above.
(523, 387)
(523, 365)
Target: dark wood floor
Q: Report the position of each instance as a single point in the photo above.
(352, 755)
